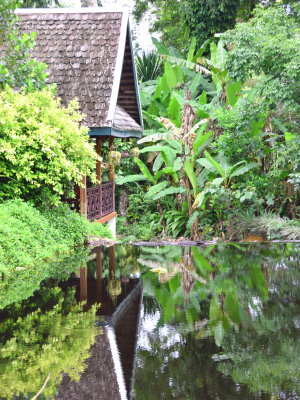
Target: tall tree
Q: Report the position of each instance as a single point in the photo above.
(179, 20)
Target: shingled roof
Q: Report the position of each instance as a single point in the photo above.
(89, 56)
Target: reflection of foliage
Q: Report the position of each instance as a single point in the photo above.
(204, 281)
(181, 367)
(21, 283)
(271, 362)
(44, 343)
(245, 296)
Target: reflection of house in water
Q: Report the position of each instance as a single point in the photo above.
(109, 371)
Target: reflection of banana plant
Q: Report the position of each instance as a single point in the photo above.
(204, 290)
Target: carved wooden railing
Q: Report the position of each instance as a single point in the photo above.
(100, 200)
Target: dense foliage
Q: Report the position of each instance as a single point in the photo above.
(223, 130)
(179, 21)
(42, 146)
(272, 56)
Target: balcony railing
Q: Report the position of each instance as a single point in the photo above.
(100, 200)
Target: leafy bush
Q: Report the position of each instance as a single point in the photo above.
(71, 227)
(42, 147)
(142, 221)
(32, 243)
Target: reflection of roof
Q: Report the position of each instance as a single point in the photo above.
(101, 379)
(89, 57)
(109, 369)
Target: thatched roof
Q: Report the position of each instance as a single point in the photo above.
(89, 56)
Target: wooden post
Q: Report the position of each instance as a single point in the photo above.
(111, 171)
(98, 273)
(112, 261)
(83, 284)
(98, 163)
(83, 198)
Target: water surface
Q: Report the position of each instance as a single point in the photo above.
(216, 322)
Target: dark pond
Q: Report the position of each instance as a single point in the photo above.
(216, 322)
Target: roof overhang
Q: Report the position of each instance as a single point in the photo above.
(94, 132)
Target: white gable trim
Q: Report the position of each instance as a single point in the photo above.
(118, 70)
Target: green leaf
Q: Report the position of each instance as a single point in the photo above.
(155, 137)
(200, 261)
(168, 191)
(156, 188)
(215, 164)
(192, 219)
(203, 98)
(214, 310)
(289, 136)
(170, 75)
(169, 309)
(201, 50)
(243, 169)
(233, 91)
(157, 163)
(221, 54)
(200, 200)
(160, 48)
(177, 164)
(257, 125)
(157, 147)
(144, 170)
(217, 181)
(219, 333)
(201, 142)
(195, 301)
(232, 308)
(175, 143)
(174, 111)
(193, 87)
(189, 169)
(167, 171)
(213, 53)
(192, 49)
(120, 180)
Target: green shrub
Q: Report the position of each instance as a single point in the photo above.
(42, 147)
(99, 230)
(35, 245)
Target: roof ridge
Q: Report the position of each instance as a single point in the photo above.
(74, 10)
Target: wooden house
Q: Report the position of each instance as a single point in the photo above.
(89, 56)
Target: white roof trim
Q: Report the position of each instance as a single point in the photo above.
(82, 10)
(117, 362)
(118, 69)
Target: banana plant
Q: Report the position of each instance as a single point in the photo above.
(222, 173)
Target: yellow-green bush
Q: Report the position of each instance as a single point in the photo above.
(42, 146)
